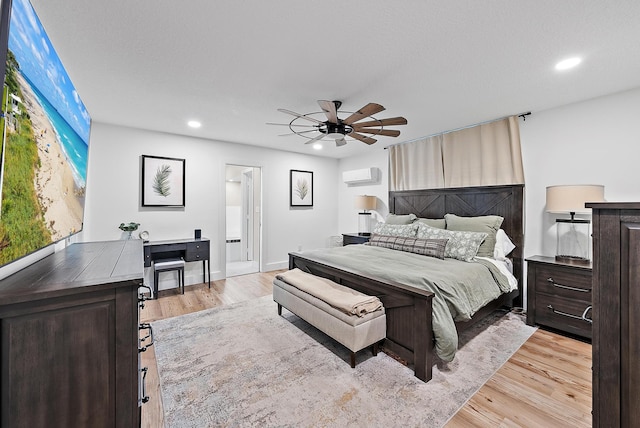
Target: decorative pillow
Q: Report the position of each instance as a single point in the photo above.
(440, 223)
(408, 230)
(504, 246)
(462, 245)
(488, 224)
(400, 219)
(425, 247)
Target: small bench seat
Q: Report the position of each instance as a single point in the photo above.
(167, 265)
(352, 331)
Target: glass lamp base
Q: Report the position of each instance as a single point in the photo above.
(572, 259)
(364, 224)
(574, 239)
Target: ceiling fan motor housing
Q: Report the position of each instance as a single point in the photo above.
(336, 130)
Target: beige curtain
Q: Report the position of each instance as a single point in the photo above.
(483, 155)
(416, 165)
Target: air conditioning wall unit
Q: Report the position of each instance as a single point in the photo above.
(357, 176)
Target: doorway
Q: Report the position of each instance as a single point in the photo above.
(243, 219)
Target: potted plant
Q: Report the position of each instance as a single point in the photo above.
(129, 228)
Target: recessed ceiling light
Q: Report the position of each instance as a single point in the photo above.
(568, 63)
(194, 124)
(317, 146)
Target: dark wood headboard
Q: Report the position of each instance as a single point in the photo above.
(505, 201)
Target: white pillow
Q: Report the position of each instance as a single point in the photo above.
(503, 247)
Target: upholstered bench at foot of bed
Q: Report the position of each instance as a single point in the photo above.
(354, 332)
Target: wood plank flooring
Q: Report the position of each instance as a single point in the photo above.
(546, 383)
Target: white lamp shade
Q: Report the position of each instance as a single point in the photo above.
(571, 198)
(364, 202)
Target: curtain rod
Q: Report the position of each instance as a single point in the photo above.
(522, 115)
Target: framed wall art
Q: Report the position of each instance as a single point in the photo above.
(300, 188)
(162, 181)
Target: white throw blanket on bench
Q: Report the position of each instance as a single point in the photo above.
(342, 298)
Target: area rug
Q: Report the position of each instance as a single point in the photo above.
(243, 365)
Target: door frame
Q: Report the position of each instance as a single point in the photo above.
(222, 214)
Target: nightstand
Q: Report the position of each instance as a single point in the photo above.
(559, 295)
(354, 238)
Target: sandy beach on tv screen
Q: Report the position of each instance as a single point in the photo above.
(59, 196)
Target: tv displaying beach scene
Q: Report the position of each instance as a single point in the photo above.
(45, 144)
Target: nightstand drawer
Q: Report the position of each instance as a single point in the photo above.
(563, 314)
(558, 293)
(564, 282)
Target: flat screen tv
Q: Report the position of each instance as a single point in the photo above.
(45, 139)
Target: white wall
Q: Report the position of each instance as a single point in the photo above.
(592, 142)
(348, 221)
(113, 194)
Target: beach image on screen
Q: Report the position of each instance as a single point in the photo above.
(45, 146)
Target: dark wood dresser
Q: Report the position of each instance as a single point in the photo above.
(69, 338)
(559, 295)
(616, 314)
(354, 238)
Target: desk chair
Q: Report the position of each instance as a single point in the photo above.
(167, 265)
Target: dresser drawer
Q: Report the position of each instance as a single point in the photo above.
(564, 282)
(563, 313)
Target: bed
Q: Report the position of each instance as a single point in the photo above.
(409, 309)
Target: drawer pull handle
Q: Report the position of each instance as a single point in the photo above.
(584, 315)
(564, 314)
(145, 397)
(141, 296)
(566, 287)
(146, 326)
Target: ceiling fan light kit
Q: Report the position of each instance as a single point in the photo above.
(337, 129)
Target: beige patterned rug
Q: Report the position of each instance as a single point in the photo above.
(242, 366)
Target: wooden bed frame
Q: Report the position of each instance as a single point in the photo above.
(408, 310)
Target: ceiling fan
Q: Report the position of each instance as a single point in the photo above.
(338, 129)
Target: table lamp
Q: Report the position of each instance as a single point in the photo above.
(573, 234)
(365, 203)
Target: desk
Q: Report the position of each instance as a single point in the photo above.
(191, 250)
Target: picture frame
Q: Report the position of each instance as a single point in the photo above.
(300, 188)
(163, 181)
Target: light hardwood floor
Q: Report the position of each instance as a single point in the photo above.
(546, 383)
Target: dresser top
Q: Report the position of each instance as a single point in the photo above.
(613, 205)
(78, 268)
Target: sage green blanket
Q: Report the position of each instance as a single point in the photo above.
(459, 288)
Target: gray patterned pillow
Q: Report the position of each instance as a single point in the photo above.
(440, 223)
(462, 245)
(408, 230)
(425, 247)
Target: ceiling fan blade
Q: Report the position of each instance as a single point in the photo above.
(298, 133)
(381, 122)
(367, 140)
(301, 116)
(378, 131)
(292, 124)
(329, 108)
(319, 137)
(340, 142)
(366, 111)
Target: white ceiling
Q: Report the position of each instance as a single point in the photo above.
(441, 64)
